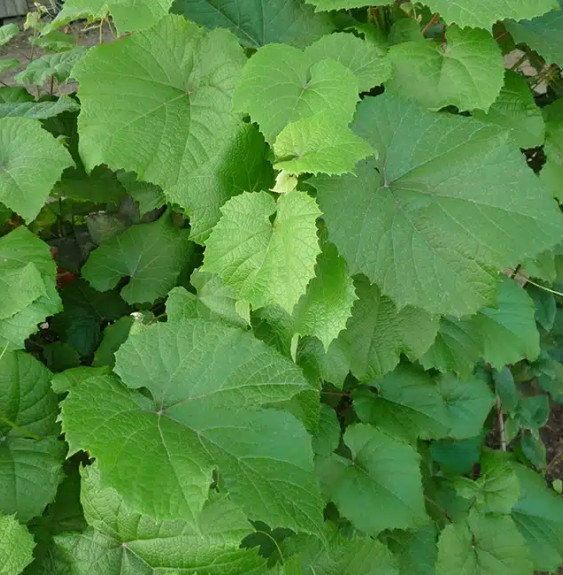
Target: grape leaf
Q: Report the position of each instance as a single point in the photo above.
(152, 255)
(427, 205)
(38, 110)
(469, 401)
(8, 64)
(543, 34)
(202, 157)
(516, 110)
(326, 306)
(120, 539)
(31, 161)
(7, 32)
(483, 545)
(408, 405)
(148, 196)
(212, 301)
(345, 4)
(509, 332)
(466, 70)
(21, 286)
(483, 14)
(361, 57)
(16, 546)
(327, 438)
(18, 250)
(265, 262)
(378, 333)
(207, 380)
(31, 455)
(126, 15)
(497, 488)
(354, 556)
(539, 518)
(416, 550)
(58, 66)
(66, 380)
(114, 335)
(281, 84)
(384, 474)
(259, 22)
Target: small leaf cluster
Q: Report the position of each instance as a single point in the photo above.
(280, 288)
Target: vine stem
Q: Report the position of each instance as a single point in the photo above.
(545, 288)
(501, 429)
(433, 20)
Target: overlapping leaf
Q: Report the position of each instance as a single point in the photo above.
(31, 161)
(178, 106)
(266, 262)
(427, 204)
(16, 546)
(259, 22)
(208, 382)
(31, 296)
(466, 70)
(31, 454)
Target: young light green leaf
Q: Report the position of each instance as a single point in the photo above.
(121, 540)
(38, 110)
(207, 380)
(497, 488)
(483, 14)
(152, 255)
(256, 24)
(483, 545)
(7, 32)
(22, 312)
(206, 154)
(16, 546)
(408, 405)
(516, 109)
(212, 301)
(265, 262)
(542, 34)
(31, 455)
(436, 247)
(319, 144)
(509, 331)
(127, 16)
(31, 161)
(384, 474)
(378, 333)
(361, 57)
(327, 304)
(465, 71)
(539, 518)
(58, 66)
(469, 401)
(280, 84)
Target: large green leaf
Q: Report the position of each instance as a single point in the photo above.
(465, 71)
(210, 384)
(383, 474)
(407, 404)
(179, 107)
(542, 34)
(127, 15)
(516, 110)
(483, 14)
(428, 204)
(281, 84)
(16, 546)
(24, 257)
(31, 455)
(265, 250)
(378, 333)
(31, 162)
(483, 545)
(416, 550)
(151, 255)
(539, 518)
(259, 22)
(121, 540)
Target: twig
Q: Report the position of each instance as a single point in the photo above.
(501, 430)
(433, 20)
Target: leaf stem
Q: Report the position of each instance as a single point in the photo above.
(282, 558)
(432, 21)
(501, 429)
(545, 288)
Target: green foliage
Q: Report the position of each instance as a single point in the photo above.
(281, 289)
